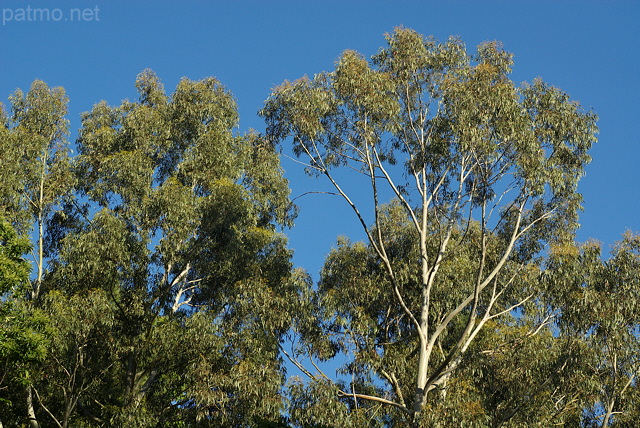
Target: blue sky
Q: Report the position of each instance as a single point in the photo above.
(589, 49)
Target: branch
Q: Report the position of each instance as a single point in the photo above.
(341, 393)
(181, 275)
(436, 265)
(318, 368)
(507, 252)
(510, 308)
(45, 407)
(299, 161)
(545, 321)
(394, 383)
(297, 364)
(315, 192)
(396, 191)
(461, 346)
(382, 251)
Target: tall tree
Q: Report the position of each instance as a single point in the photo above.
(169, 284)
(23, 340)
(186, 244)
(36, 174)
(484, 175)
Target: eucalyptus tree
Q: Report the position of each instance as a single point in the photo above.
(36, 175)
(173, 284)
(484, 174)
(35, 165)
(599, 303)
(23, 343)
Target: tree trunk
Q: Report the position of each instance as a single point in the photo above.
(31, 413)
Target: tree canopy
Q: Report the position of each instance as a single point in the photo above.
(484, 176)
(168, 284)
(161, 291)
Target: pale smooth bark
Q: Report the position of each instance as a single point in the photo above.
(31, 413)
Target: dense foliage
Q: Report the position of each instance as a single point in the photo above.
(161, 291)
(164, 281)
(483, 178)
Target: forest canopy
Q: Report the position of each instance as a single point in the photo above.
(146, 278)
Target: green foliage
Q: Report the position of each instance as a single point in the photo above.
(36, 168)
(14, 270)
(184, 255)
(168, 286)
(35, 164)
(599, 303)
(162, 291)
(484, 176)
(23, 338)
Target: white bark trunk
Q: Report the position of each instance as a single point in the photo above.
(31, 413)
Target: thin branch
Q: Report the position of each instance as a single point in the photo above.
(396, 191)
(297, 364)
(315, 192)
(510, 308)
(341, 393)
(45, 407)
(546, 321)
(300, 162)
(319, 370)
(394, 383)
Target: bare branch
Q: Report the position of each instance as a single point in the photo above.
(341, 393)
(45, 408)
(391, 378)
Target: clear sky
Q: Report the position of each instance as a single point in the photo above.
(95, 49)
